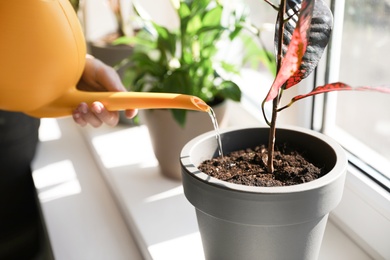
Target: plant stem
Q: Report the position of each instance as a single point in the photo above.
(271, 137)
(117, 10)
(275, 102)
(271, 4)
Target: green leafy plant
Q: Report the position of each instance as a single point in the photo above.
(186, 60)
(302, 32)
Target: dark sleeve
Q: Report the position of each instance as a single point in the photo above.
(19, 218)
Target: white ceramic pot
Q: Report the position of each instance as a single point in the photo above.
(168, 138)
(243, 222)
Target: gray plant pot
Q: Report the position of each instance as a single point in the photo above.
(111, 55)
(243, 222)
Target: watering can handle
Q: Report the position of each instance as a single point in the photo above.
(115, 101)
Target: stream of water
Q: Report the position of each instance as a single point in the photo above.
(216, 128)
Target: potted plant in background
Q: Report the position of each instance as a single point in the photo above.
(111, 53)
(104, 48)
(187, 61)
(260, 220)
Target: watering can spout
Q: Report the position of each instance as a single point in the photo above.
(39, 78)
(115, 101)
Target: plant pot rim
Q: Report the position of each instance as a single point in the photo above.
(337, 170)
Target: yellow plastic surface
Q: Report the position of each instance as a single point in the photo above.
(115, 101)
(42, 52)
(42, 56)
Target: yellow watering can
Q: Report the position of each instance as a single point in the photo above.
(42, 57)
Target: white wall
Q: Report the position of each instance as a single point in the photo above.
(99, 20)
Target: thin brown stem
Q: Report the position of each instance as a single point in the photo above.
(272, 5)
(271, 137)
(272, 134)
(281, 13)
(116, 9)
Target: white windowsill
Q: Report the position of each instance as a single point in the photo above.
(81, 217)
(90, 217)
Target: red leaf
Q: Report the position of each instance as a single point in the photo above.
(337, 86)
(295, 51)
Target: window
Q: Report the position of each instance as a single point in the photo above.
(360, 121)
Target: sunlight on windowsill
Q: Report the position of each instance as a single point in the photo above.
(56, 180)
(49, 130)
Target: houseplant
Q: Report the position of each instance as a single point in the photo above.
(284, 222)
(104, 48)
(186, 61)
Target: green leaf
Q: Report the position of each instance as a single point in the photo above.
(144, 63)
(194, 24)
(230, 90)
(166, 40)
(216, 29)
(184, 14)
(144, 39)
(128, 78)
(236, 32)
(184, 10)
(180, 116)
(198, 6)
(124, 40)
(254, 56)
(228, 67)
(178, 81)
(213, 17)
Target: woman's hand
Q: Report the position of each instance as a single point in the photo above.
(98, 76)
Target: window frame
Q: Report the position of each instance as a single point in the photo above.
(364, 212)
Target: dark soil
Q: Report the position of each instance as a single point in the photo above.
(248, 167)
